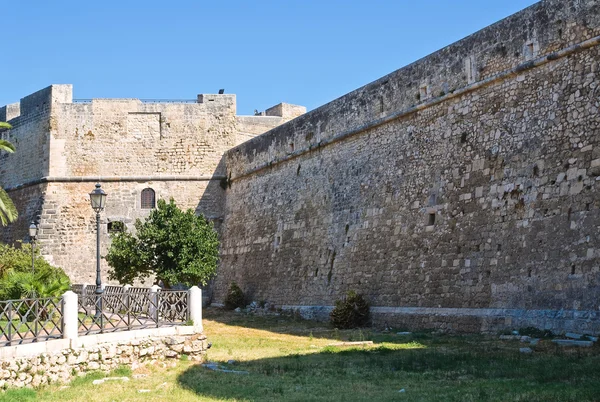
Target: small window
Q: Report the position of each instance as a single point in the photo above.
(148, 198)
(116, 226)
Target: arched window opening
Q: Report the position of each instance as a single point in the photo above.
(148, 198)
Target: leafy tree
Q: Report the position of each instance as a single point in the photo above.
(17, 280)
(173, 246)
(8, 212)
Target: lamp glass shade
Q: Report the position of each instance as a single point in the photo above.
(33, 230)
(98, 198)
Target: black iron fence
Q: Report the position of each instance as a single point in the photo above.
(30, 320)
(126, 308)
(116, 309)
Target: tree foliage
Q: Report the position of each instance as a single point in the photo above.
(171, 245)
(8, 212)
(17, 281)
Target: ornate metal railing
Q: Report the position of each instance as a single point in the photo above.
(30, 320)
(121, 309)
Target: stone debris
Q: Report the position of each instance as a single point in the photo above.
(403, 333)
(231, 362)
(572, 335)
(534, 341)
(525, 338)
(217, 367)
(136, 376)
(103, 380)
(509, 337)
(570, 342)
(402, 390)
(351, 343)
(143, 391)
(525, 350)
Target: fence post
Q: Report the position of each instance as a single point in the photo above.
(195, 307)
(128, 304)
(70, 315)
(154, 301)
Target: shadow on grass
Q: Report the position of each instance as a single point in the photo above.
(294, 325)
(380, 373)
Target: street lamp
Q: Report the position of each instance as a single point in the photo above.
(33, 231)
(98, 201)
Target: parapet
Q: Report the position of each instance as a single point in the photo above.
(38, 102)
(218, 100)
(285, 110)
(541, 33)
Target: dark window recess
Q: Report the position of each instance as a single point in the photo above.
(463, 138)
(573, 269)
(115, 227)
(431, 220)
(148, 198)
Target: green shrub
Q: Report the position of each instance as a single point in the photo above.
(235, 297)
(350, 312)
(17, 281)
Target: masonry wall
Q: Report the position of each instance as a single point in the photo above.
(460, 192)
(59, 361)
(65, 147)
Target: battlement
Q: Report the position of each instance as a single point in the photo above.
(37, 103)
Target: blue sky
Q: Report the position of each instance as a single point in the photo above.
(304, 52)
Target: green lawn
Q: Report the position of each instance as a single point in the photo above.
(293, 360)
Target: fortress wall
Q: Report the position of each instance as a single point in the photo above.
(68, 224)
(475, 211)
(128, 145)
(30, 135)
(537, 31)
(64, 148)
(124, 137)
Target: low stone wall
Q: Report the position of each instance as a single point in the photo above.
(59, 361)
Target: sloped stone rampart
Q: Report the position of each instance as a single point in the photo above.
(464, 186)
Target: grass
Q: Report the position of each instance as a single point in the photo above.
(295, 360)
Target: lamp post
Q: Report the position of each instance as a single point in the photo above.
(98, 201)
(33, 231)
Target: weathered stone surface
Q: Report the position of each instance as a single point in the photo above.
(61, 366)
(454, 199)
(175, 148)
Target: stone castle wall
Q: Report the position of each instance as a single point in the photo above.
(459, 192)
(65, 147)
